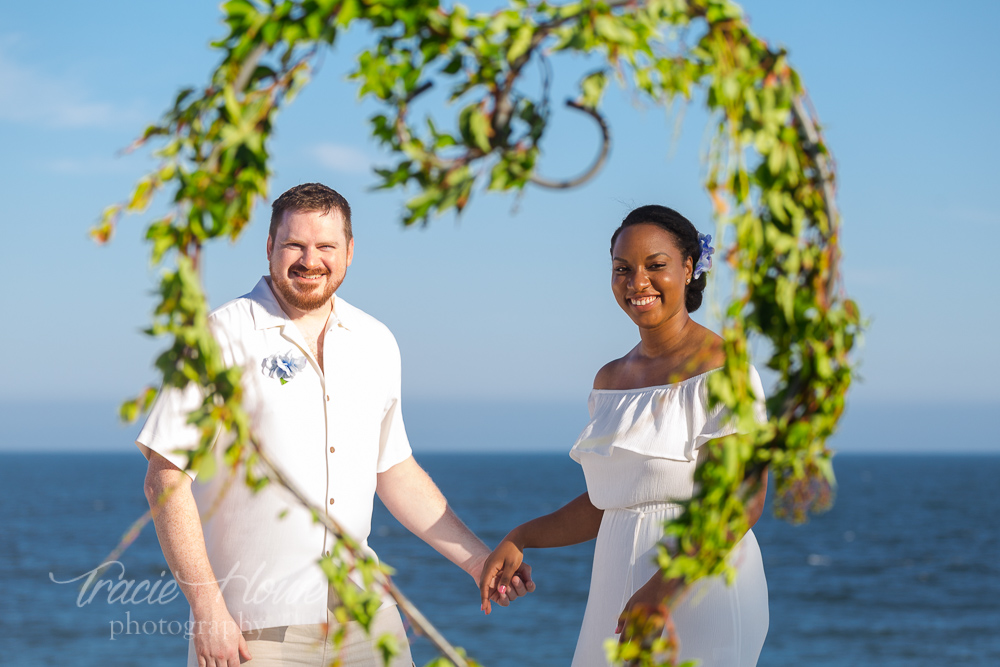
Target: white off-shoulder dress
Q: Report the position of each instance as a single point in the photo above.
(638, 455)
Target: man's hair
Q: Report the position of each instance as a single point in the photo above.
(310, 197)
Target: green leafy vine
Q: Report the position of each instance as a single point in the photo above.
(770, 178)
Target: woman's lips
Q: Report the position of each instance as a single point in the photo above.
(640, 301)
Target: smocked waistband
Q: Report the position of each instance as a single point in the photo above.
(646, 508)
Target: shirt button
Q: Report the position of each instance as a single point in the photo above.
(331, 501)
(333, 449)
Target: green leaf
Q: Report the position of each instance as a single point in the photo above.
(613, 29)
(593, 88)
(475, 127)
(521, 43)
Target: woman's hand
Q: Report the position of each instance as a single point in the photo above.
(505, 575)
(647, 612)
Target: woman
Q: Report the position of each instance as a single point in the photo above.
(649, 425)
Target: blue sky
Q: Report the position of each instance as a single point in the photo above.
(511, 302)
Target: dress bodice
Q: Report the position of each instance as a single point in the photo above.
(641, 445)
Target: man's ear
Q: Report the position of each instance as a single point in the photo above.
(350, 251)
(270, 246)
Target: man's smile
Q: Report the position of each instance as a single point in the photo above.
(308, 275)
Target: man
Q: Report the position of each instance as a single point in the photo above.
(321, 382)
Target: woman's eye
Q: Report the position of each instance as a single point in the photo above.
(620, 269)
(656, 267)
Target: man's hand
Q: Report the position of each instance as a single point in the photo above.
(412, 497)
(217, 639)
(504, 576)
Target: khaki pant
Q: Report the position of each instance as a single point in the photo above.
(307, 645)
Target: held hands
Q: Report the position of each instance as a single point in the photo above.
(505, 577)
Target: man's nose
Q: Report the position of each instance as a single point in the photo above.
(310, 258)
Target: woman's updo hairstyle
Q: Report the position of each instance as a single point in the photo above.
(685, 237)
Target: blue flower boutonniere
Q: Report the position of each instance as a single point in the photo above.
(282, 366)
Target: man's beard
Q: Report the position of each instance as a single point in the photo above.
(315, 298)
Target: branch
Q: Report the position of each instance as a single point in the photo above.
(813, 147)
(249, 65)
(418, 620)
(598, 163)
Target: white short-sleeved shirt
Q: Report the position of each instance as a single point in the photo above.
(329, 433)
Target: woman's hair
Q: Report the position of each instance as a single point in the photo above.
(685, 237)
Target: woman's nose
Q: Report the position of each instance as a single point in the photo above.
(639, 281)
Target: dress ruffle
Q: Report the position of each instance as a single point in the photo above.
(666, 421)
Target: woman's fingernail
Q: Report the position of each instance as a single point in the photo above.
(502, 589)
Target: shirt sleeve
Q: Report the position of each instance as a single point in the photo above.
(393, 446)
(167, 431)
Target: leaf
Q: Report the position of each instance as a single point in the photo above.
(349, 10)
(475, 127)
(521, 43)
(140, 198)
(613, 29)
(593, 88)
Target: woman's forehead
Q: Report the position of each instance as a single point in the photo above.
(648, 237)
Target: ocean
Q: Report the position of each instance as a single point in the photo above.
(902, 571)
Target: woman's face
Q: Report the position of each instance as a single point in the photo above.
(648, 274)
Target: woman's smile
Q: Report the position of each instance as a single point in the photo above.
(643, 302)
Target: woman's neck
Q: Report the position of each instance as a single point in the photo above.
(668, 338)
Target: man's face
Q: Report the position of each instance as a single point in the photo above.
(308, 258)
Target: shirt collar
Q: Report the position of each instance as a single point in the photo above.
(267, 312)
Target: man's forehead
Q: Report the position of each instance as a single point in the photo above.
(331, 220)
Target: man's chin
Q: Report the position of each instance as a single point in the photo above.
(311, 298)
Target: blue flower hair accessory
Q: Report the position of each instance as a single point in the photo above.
(704, 264)
(282, 366)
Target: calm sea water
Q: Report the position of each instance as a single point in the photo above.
(903, 571)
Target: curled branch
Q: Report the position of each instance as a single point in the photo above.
(598, 163)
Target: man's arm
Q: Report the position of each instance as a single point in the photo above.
(411, 496)
(217, 638)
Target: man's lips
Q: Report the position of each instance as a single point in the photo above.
(305, 275)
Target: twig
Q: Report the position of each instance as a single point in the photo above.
(418, 620)
(813, 146)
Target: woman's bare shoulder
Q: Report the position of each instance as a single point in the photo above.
(711, 352)
(607, 377)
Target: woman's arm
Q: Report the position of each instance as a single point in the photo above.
(575, 522)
